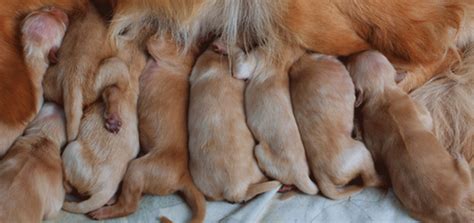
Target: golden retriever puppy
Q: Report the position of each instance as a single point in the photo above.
(74, 81)
(416, 35)
(42, 32)
(31, 177)
(221, 146)
(162, 115)
(19, 86)
(280, 152)
(323, 99)
(432, 184)
(96, 162)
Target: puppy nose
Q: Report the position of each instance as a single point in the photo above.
(60, 14)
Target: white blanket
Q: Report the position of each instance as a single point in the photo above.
(372, 205)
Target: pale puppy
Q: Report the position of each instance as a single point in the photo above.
(96, 162)
(280, 152)
(31, 177)
(434, 185)
(323, 99)
(162, 113)
(221, 146)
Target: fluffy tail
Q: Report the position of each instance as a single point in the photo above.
(195, 199)
(450, 100)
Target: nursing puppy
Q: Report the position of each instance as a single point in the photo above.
(74, 81)
(280, 152)
(219, 139)
(162, 114)
(31, 178)
(96, 162)
(432, 184)
(41, 34)
(323, 99)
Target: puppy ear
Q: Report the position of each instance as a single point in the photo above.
(359, 93)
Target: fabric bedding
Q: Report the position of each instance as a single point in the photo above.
(371, 205)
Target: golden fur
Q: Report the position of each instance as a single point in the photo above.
(433, 185)
(280, 152)
(74, 81)
(31, 177)
(322, 95)
(96, 162)
(41, 33)
(162, 113)
(219, 138)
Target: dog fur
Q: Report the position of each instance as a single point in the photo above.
(31, 177)
(96, 162)
(280, 151)
(323, 97)
(433, 185)
(162, 113)
(219, 138)
(74, 82)
(41, 33)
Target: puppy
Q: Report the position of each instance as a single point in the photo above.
(219, 139)
(162, 111)
(96, 162)
(430, 183)
(280, 152)
(323, 99)
(74, 81)
(41, 34)
(31, 172)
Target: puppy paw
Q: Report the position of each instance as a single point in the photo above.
(113, 123)
(98, 214)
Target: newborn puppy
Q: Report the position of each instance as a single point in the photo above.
(42, 32)
(323, 99)
(430, 183)
(221, 145)
(31, 178)
(162, 113)
(280, 152)
(74, 81)
(96, 162)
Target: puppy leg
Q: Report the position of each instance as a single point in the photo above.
(112, 96)
(73, 102)
(111, 79)
(260, 188)
(330, 190)
(95, 202)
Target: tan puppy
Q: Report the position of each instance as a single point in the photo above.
(431, 184)
(219, 139)
(31, 178)
(96, 162)
(162, 112)
(280, 153)
(74, 81)
(42, 32)
(323, 99)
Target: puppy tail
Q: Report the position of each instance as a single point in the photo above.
(95, 202)
(195, 199)
(329, 189)
(259, 188)
(448, 98)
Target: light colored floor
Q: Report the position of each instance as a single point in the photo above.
(372, 205)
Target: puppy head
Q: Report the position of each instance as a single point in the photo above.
(371, 72)
(243, 64)
(43, 31)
